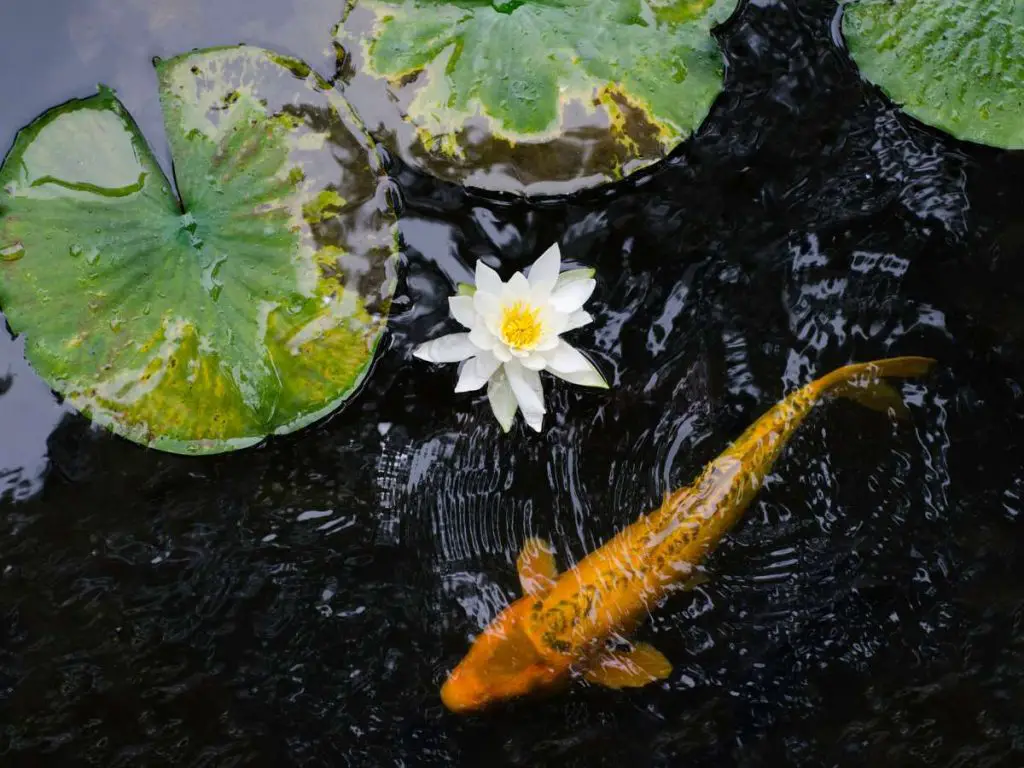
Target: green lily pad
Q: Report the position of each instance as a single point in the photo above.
(533, 96)
(957, 65)
(250, 303)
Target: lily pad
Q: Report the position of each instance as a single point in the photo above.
(957, 65)
(249, 303)
(533, 96)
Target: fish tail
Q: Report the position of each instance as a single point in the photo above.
(865, 382)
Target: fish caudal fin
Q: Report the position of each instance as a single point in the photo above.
(865, 382)
(629, 669)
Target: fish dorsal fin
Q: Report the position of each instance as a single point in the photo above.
(536, 566)
(629, 669)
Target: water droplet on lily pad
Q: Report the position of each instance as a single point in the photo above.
(75, 250)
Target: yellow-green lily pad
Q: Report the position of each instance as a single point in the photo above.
(533, 96)
(957, 65)
(247, 304)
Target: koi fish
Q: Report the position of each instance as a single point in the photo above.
(562, 626)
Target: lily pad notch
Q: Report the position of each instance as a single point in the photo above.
(249, 304)
(533, 97)
(956, 65)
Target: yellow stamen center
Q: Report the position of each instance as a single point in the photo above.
(520, 325)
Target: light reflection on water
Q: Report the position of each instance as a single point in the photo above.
(29, 413)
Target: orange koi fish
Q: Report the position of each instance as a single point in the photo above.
(561, 628)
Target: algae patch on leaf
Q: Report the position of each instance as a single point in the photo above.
(957, 65)
(533, 97)
(248, 304)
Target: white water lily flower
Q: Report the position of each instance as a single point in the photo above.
(514, 331)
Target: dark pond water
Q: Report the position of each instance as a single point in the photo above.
(300, 603)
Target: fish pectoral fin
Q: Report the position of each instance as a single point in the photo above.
(691, 579)
(629, 669)
(697, 577)
(536, 567)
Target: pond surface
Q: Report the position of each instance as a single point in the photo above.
(301, 603)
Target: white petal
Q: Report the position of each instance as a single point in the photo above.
(535, 361)
(565, 358)
(534, 420)
(482, 338)
(578, 319)
(446, 349)
(487, 279)
(462, 310)
(590, 378)
(568, 363)
(544, 272)
(486, 304)
(573, 274)
(503, 401)
(555, 322)
(547, 343)
(501, 351)
(476, 372)
(493, 323)
(572, 296)
(517, 288)
(528, 391)
(552, 324)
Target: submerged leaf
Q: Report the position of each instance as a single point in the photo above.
(249, 304)
(955, 64)
(532, 96)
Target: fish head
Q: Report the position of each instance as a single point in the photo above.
(502, 664)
